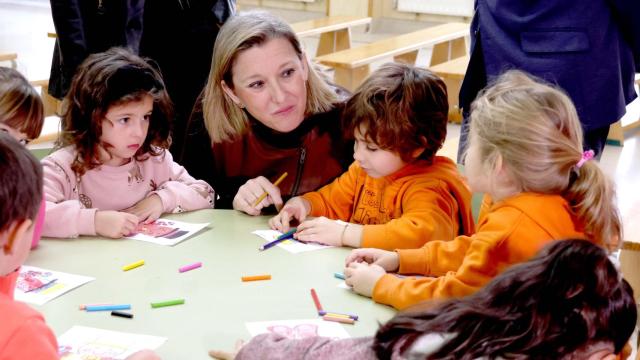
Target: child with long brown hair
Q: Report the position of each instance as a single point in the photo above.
(526, 154)
(398, 193)
(113, 169)
(22, 117)
(568, 302)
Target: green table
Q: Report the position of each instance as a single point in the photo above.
(217, 303)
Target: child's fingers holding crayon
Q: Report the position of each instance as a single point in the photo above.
(114, 224)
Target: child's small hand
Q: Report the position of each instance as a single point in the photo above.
(227, 355)
(362, 277)
(296, 208)
(115, 224)
(251, 191)
(147, 209)
(388, 260)
(320, 230)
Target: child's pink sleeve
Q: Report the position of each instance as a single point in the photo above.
(65, 217)
(181, 192)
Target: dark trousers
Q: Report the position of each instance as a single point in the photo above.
(593, 139)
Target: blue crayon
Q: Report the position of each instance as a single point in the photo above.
(339, 275)
(108, 307)
(279, 239)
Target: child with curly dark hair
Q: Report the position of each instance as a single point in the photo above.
(112, 170)
(398, 193)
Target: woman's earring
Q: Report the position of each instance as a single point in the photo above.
(241, 105)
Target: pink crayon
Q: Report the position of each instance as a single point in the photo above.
(190, 267)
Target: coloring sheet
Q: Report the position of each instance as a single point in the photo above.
(290, 245)
(166, 232)
(54, 284)
(299, 329)
(85, 343)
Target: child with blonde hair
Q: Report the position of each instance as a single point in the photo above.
(113, 169)
(526, 154)
(22, 117)
(398, 193)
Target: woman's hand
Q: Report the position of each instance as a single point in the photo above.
(388, 260)
(362, 277)
(296, 208)
(227, 355)
(147, 209)
(251, 191)
(115, 224)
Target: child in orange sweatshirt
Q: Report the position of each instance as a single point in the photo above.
(398, 193)
(526, 153)
(23, 332)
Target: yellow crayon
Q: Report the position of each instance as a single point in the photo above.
(133, 265)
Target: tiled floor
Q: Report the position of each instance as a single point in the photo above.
(25, 24)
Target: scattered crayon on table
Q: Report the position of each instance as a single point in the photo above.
(133, 265)
(108, 307)
(122, 314)
(167, 303)
(316, 301)
(256, 277)
(342, 320)
(190, 267)
(350, 316)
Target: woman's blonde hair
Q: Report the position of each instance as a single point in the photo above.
(534, 127)
(223, 118)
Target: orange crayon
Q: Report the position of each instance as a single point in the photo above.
(256, 277)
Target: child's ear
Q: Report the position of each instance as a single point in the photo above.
(417, 152)
(13, 234)
(230, 93)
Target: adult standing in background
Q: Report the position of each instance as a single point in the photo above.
(591, 49)
(179, 35)
(265, 111)
(84, 27)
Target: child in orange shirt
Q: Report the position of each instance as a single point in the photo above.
(547, 307)
(398, 193)
(526, 154)
(22, 117)
(23, 332)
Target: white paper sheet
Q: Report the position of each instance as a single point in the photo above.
(80, 343)
(291, 246)
(166, 232)
(64, 282)
(298, 329)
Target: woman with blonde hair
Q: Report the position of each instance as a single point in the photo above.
(264, 111)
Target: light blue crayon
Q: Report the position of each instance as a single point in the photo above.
(108, 307)
(339, 275)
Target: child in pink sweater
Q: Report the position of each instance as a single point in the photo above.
(113, 170)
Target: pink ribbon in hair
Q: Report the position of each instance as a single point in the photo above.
(586, 156)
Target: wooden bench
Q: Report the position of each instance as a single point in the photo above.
(353, 66)
(335, 31)
(452, 72)
(10, 57)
